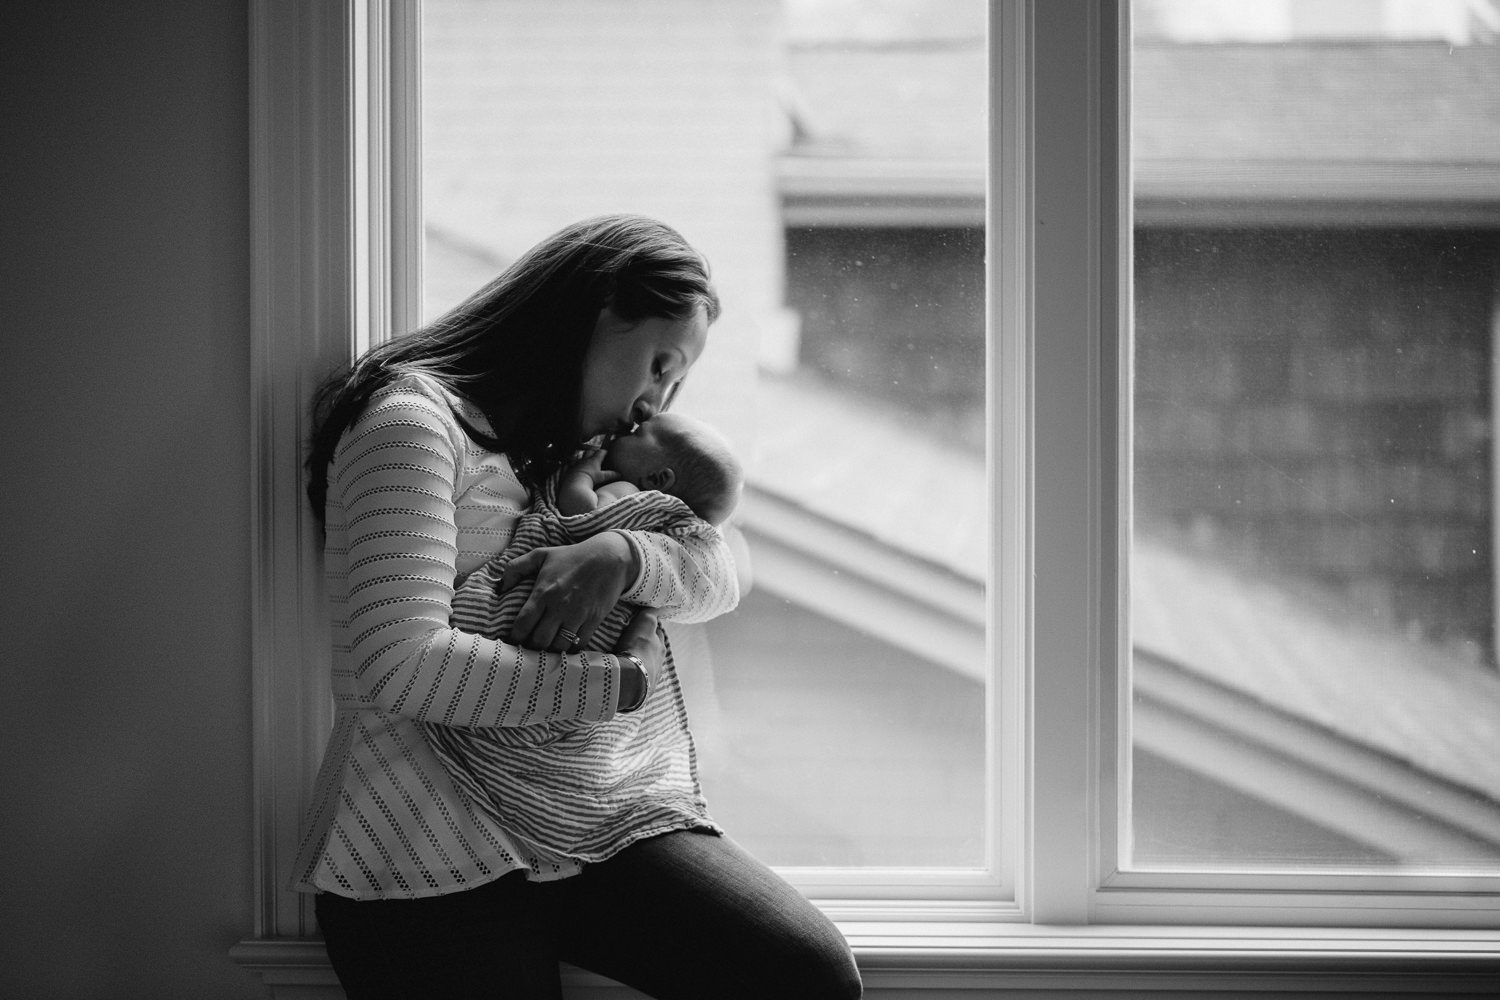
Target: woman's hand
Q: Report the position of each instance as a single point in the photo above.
(576, 586)
(641, 640)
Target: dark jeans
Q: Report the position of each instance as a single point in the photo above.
(685, 915)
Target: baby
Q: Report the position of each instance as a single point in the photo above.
(669, 453)
(672, 474)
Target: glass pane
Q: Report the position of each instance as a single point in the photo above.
(828, 158)
(1317, 260)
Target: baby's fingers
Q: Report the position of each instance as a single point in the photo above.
(641, 632)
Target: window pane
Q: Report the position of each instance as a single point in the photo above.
(828, 158)
(1317, 260)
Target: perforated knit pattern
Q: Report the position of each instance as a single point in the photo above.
(575, 790)
(413, 506)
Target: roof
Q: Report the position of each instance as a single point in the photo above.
(1284, 645)
(1349, 102)
(923, 102)
(1336, 121)
(877, 126)
(843, 444)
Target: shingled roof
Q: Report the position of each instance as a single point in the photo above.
(1327, 102)
(1309, 119)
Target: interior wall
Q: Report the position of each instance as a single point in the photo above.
(124, 319)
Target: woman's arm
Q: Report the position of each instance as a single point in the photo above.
(684, 571)
(686, 576)
(391, 490)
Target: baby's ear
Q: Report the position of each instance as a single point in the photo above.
(661, 479)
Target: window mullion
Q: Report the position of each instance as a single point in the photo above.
(403, 192)
(1075, 238)
(386, 169)
(1008, 234)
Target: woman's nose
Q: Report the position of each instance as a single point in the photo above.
(644, 410)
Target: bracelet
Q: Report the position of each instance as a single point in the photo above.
(645, 680)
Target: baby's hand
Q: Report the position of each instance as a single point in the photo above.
(592, 466)
(590, 462)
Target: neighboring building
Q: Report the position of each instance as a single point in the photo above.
(1313, 590)
(1317, 271)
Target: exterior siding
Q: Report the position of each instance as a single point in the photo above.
(1319, 402)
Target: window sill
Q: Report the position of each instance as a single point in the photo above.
(912, 960)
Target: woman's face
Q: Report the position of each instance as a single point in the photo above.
(631, 371)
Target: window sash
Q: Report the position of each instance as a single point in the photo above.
(333, 109)
(1121, 895)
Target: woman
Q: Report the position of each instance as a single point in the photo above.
(423, 457)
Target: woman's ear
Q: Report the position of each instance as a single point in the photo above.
(661, 479)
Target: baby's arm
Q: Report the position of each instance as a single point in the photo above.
(610, 492)
(579, 490)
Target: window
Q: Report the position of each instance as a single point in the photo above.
(1314, 682)
(1059, 847)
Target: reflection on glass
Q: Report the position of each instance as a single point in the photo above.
(828, 158)
(1317, 260)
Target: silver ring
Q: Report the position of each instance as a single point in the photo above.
(569, 635)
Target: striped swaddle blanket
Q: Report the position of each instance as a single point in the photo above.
(575, 789)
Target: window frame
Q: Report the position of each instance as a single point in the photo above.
(334, 207)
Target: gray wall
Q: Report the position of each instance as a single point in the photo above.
(124, 579)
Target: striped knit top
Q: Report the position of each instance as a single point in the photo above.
(414, 506)
(578, 791)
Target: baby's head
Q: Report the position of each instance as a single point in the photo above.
(683, 457)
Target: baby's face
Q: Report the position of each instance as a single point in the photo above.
(636, 455)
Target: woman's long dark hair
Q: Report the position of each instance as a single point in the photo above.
(515, 349)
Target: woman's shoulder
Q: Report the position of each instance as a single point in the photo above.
(412, 408)
(421, 393)
(437, 396)
(414, 389)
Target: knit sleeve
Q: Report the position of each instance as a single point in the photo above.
(687, 568)
(392, 481)
(686, 576)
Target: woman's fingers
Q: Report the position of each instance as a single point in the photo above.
(557, 633)
(522, 567)
(576, 586)
(577, 635)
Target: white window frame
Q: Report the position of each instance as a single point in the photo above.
(335, 220)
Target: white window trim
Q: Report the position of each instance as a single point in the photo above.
(329, 198)
(330, 182)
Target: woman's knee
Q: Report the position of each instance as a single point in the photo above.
(809, 950)
(807, 955)
(736, 922)
(822, 970)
